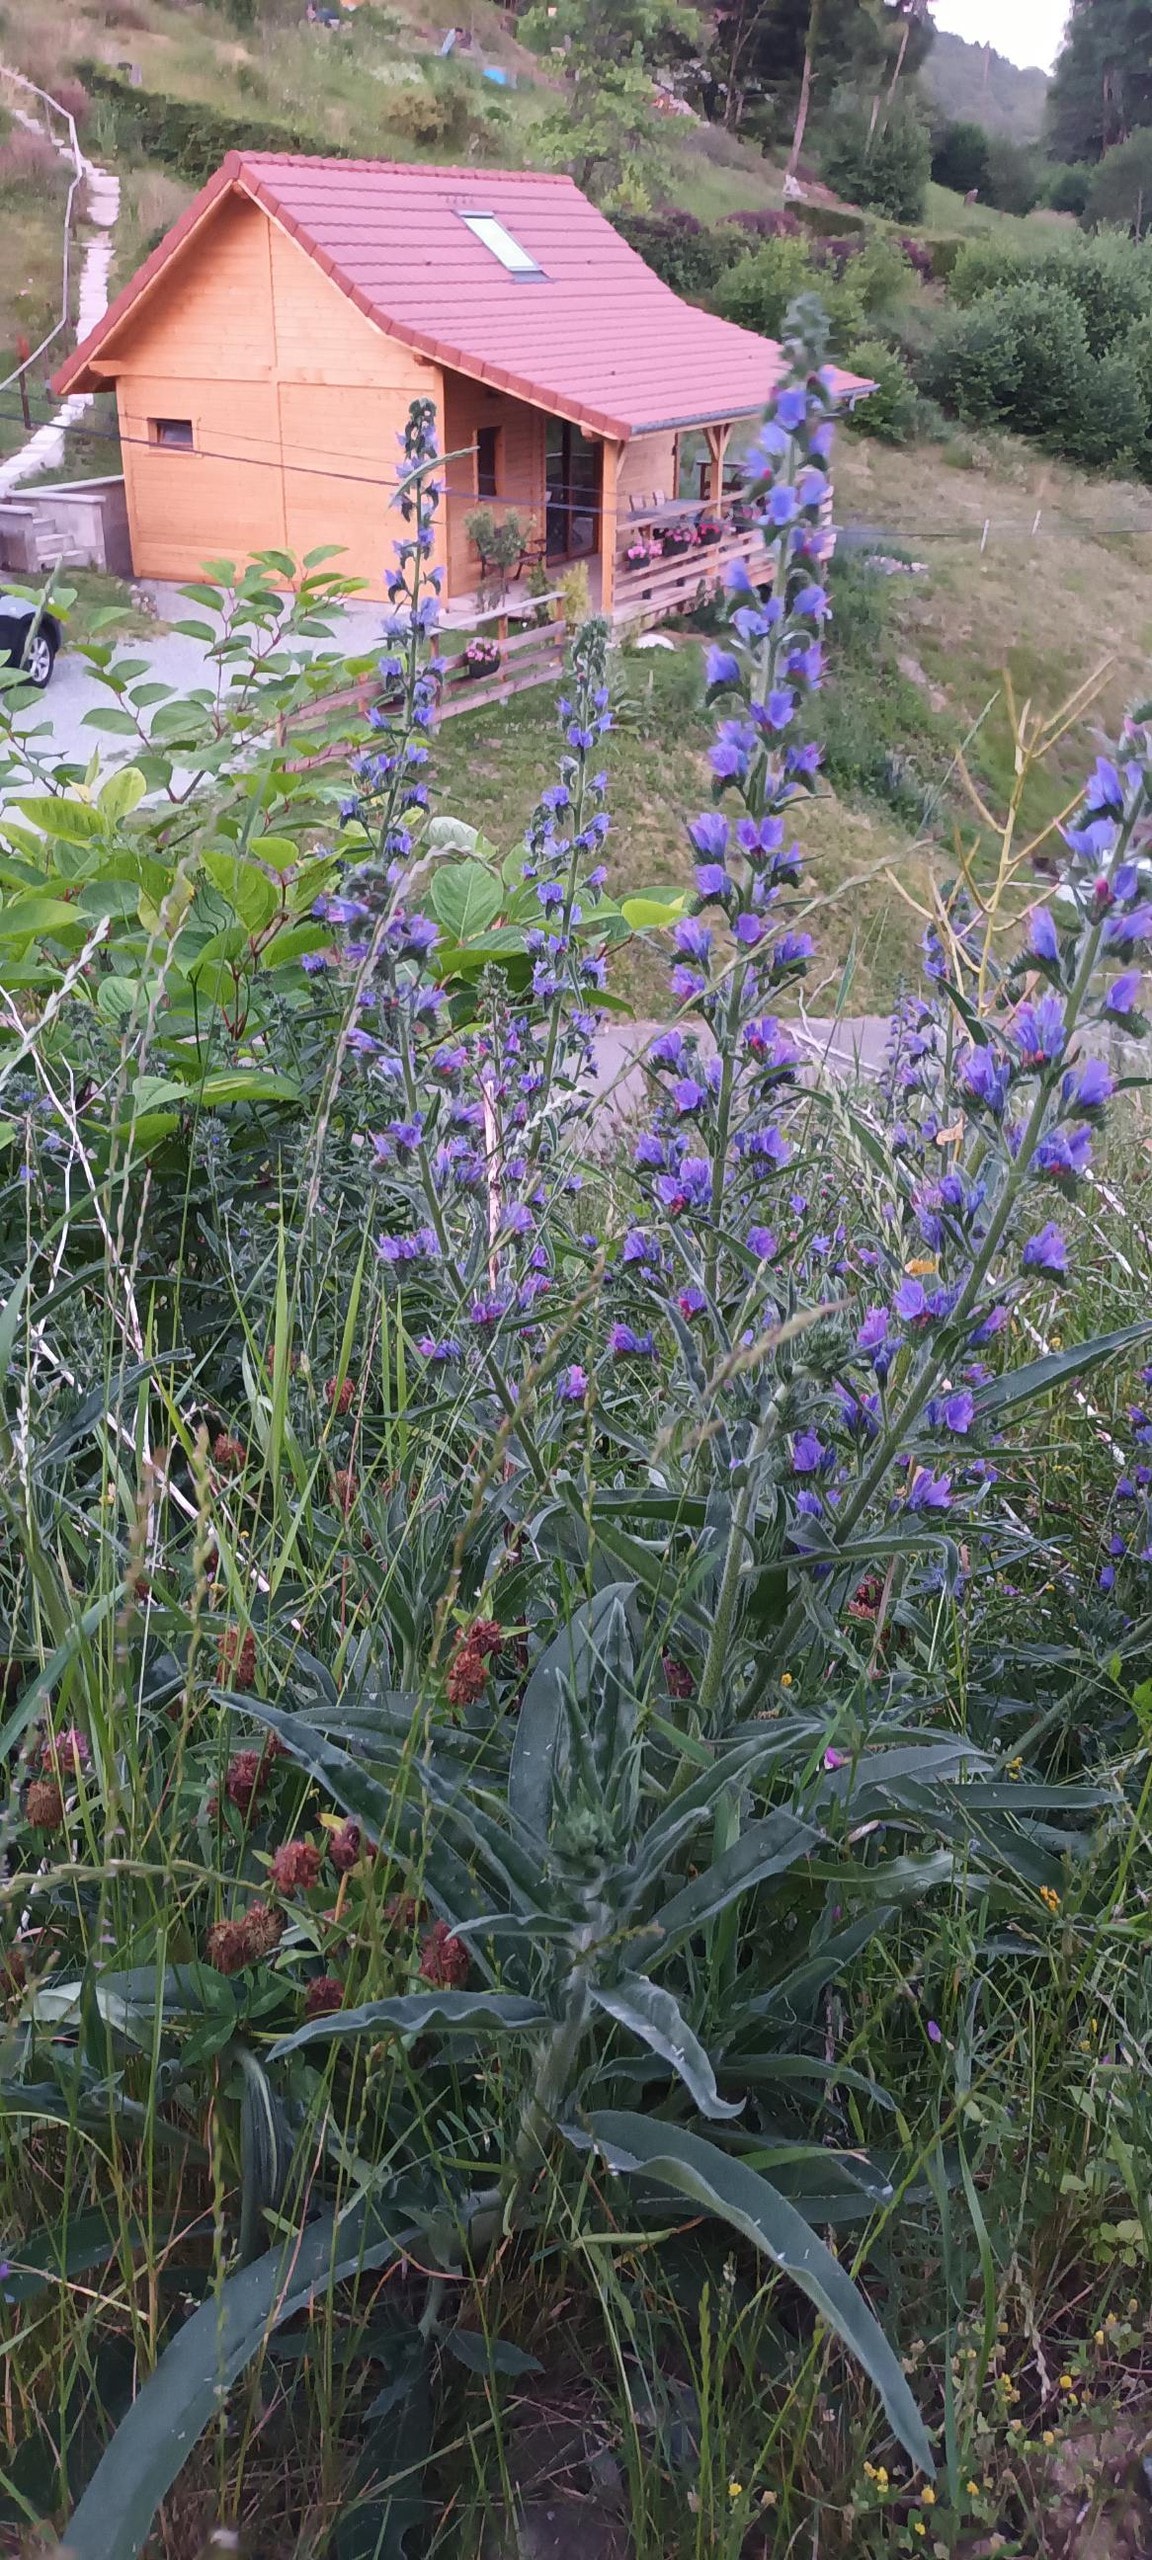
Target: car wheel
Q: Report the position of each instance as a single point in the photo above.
(38, 658)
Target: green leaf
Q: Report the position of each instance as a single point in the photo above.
(412, 2012)
(122, 793)
(195, 2373)
(653, 2016)
(632, 2144)
(765, 1849)
(246, 888)
(643, 914)
(479, 2354)
(28, 916)
(465, 899)
(246, 1084)
(568, 1658)
(1039, 1377)
(74, 820)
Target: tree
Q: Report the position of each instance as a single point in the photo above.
(960, 159)
(606, 136)
(1102, 85)
(794, 53)
(1121, 188)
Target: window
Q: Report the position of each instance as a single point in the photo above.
(487, 454)
(492, 235)
(175, 433)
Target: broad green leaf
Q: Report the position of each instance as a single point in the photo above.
(246, 1084)
(633, 2144)
(206, 2357)
(479, 2354)
(122, 793)
(465, 898)
(411, 2013)
(568, 1658)
(245, 887)
(54, 2256)
(653, 2016)
(75, 820)
(115, 724)
(1039, 1377)
(643, 914)
(23, 917)
(9, 1320)
(765, 1849)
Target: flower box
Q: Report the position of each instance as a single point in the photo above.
(480, 658)
(709, 529)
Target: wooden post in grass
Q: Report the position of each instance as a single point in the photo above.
(23, 352)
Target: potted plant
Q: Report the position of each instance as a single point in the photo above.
(479, 657)
(708, 527)
(679, 539)
(501, 542)
(636, 552)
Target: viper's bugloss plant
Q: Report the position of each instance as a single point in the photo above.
(545, 1689)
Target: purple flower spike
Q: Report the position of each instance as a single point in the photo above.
(712, 880)
(1046, 1251)
(928, 1492)
(710, 834)
(572, 1384)
(1089, 1087)
(624, 1343)
(1042, 940)
(835, 1759)
(934, 2035)
(1123, 995)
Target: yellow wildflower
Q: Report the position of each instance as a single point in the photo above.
(1049, 1897)
(735, 2488)
(927, 2497)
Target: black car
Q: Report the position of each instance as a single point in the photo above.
(29, 638)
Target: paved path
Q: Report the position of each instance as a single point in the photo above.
(46, 450)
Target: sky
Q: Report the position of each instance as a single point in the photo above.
(1026, 30)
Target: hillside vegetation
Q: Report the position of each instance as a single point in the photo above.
(973, 84)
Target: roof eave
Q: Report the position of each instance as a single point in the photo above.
(75, 374)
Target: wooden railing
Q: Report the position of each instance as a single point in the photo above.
(527, 657)
(666, 586)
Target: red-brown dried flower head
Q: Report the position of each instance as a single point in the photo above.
(228, 1946)
(345, 1487)
(44, 1805)
(227, 1453)
(346, 1847)
(243, 1778)
(677, 1676)
(295, 1866)
(339, 1393)
(264, 1926)
(485, 1635)
(66, 1754)
(293, 1361)
(467, 1677)
(323, 1995)
(402, 1912)
(236, 1658)
(444, 1959)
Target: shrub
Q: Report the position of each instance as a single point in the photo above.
(681, 250)
(765, 224)
(890, 410)
(1108, 427)
(187, 136)
(1068, 186)
(1014, 182)
(981, 264)
(1018, 355)
(879, 274)
(756, 293)
(1121, 188)
(960, 159)
(889, 171)
(1109, 277)
(943, 249)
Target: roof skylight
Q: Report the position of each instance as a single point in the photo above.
(492, 236)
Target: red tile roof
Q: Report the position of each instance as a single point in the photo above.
(596, 337)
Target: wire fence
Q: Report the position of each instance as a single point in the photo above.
(61, 130)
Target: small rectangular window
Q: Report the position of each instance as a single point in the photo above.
(492, 235)
(175, 433)
(487, 452)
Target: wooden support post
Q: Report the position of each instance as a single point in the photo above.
(717, 446)
(609, 513)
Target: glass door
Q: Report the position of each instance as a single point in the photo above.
(573, 483)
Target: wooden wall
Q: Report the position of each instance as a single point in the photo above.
(520, 467)
(296, 401)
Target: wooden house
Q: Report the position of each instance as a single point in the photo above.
(264, 358)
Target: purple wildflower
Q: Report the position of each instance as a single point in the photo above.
(1046, 1251)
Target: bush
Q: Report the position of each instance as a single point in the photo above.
(960, 159)
(888, 172)
(186, 136)
(681, 250)
(1108, 427)
(1014, 182)
(756, 293)
(1109, 277)
(942, 250)
(981, 264)
(1121, 188)
(890, 410)
(880, 274)
(1018, 355)
(1068, 186)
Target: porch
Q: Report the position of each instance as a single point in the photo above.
(653, 523)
